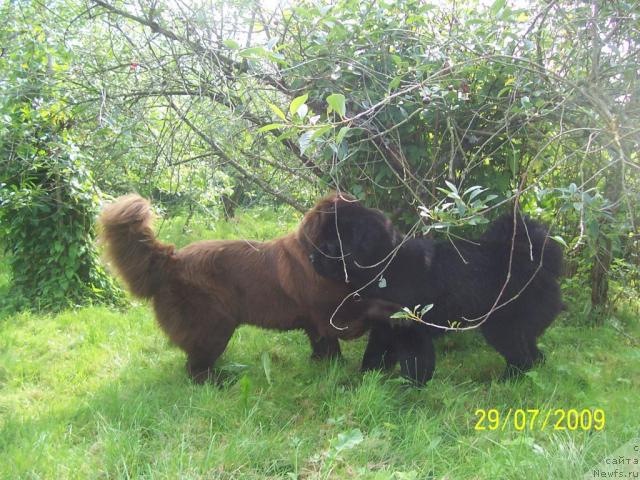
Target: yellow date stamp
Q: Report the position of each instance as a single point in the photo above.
(531, 419)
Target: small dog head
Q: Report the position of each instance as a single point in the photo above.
(347, 241)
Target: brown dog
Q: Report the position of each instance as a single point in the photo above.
(204, 291)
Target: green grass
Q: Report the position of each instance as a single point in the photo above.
(95, 393)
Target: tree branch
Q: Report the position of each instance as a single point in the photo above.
(241, 170)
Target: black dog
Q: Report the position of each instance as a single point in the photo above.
(506, 282)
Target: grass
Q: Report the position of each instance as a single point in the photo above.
(95, 393)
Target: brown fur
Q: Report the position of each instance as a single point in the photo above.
(204, 291)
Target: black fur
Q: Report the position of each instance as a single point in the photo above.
(463, 282)
(357, 236)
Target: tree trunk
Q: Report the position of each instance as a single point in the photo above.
(600, 278)
(604, 256)
(231, 202)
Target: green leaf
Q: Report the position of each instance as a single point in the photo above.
(266, 366)
(451, 186)
(504, 90)
(305, 140)
(348, 440)
(277, 111)
(253, 52)
(471, 189)
(232, 44)
(256, 53)
(271, 126)
(337, 103)
(318, 132)
(245, 389)
(514, 165)
(302, 110)
(560, 240)
(425, 309)
(287, 134)
(307, 137)
(497, 6)
(343, 131)
(297, 102)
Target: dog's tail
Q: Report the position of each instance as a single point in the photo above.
(142, 261)
(532, 238)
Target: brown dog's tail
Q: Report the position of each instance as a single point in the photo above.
(142, 261)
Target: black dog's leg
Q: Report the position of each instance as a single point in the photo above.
(322, 347)
(517, 367)
(380, 353)
(514, 344)
(537, 354)
(416, 354)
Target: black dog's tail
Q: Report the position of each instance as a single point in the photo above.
(531, 239)
(143, 262)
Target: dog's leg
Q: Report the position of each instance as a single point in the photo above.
(204, 352)
(322, 347)
(200, 327)
(416, 354)
(380, 353)
(199, 367)
(511, 341)
(520, 365)
(537, 354)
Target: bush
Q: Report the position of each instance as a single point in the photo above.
(46, 224)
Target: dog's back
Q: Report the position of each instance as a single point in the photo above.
(530, 240)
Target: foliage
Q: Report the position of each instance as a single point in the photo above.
(214, 105)
(396, 102)
(46, 221)
(396, 110)
(47, 200)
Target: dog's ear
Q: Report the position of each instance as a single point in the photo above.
(327, 260)
(336, 236)
(349, 238)
(367, 239)
(324, 245)
(371, 241)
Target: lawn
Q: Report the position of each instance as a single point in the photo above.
(100, 393)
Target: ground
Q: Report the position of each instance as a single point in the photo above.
(99, 393)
